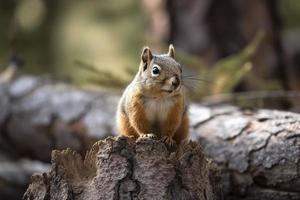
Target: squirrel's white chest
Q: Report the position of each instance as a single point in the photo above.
(158, 110)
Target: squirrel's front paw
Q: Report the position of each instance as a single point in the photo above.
(149, 135)
(169, 141)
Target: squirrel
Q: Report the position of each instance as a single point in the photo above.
(154, 104)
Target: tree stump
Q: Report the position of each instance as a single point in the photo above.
(257, 151)
(122, 168)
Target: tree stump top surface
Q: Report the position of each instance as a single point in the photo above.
(122, 168)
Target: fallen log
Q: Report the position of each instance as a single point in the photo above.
(39, 114)
(258, 151)
(122, 168)
(14, 175)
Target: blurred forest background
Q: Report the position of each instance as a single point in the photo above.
(243, 52)
(231, 46)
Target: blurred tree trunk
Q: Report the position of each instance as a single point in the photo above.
(32, 43)
(215, 29)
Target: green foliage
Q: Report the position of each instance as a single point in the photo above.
(228, 72)
(290, 13)
(222, 77)
(100, 77)
(190, 61)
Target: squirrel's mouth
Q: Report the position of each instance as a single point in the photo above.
(170, 89)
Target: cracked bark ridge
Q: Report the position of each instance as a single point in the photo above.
(258, 152)
(39, 114)
(122, 168)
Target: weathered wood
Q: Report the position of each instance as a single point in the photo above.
(41, 114)
(122, 168)
(257, 151)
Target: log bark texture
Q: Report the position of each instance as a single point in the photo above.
(258, 151)
(41, 114)
(122, 168)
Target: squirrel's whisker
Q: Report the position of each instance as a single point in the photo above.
(195, 79)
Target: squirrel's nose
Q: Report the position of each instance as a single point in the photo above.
(175, 81)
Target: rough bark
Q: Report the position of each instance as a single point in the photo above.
(41, 114)
(257, 151)
(122, 168)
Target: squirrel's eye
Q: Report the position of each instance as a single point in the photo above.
(155, 70)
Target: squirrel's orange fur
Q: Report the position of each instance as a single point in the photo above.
(155, 104)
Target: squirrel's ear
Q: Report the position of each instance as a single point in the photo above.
(171, 52)
(146, 55)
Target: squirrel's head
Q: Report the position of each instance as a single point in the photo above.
(160, 75)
